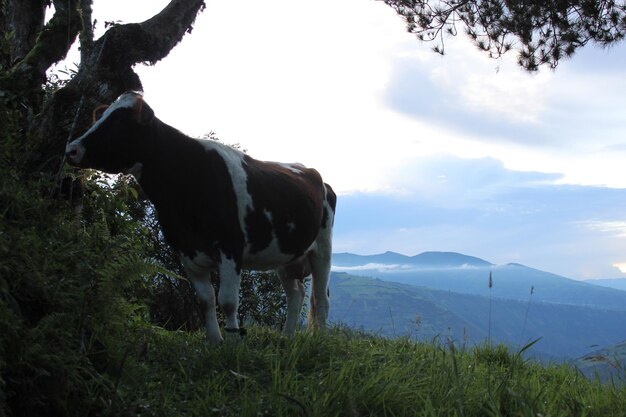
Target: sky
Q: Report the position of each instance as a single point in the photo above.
(427, 153)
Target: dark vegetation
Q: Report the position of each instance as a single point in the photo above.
(84, 277)
(84, 271)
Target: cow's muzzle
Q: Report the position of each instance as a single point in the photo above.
(74, 153)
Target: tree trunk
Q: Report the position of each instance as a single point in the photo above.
(26, 77)
(105, 72)
(20, 23)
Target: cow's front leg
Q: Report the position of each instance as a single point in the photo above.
(228, 296)
(200, 277)
(205, 291)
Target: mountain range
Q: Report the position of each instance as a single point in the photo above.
(423, 260)
(446, 296)
(464, 274)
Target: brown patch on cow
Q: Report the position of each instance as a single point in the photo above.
(295, 221)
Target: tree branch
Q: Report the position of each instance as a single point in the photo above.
(107, 72)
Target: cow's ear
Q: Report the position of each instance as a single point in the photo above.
(144, 113)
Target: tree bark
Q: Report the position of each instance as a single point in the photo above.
(86, 33)
(27, 76)
(20, 21)
(105, 73)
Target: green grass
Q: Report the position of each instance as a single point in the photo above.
(344, 374)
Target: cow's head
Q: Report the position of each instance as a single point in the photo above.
(114, 142)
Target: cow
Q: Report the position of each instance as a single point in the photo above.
(221, 209)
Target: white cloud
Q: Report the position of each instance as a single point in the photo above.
(391, 268)
(487, 88)
(373, 266)
(615, 227)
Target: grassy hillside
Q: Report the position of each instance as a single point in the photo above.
(341, 374)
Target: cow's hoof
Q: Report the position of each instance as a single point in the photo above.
(214, 341)
(234, 335)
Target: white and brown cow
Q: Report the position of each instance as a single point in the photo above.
(220, 208)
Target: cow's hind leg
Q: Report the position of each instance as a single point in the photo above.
(320, 258)
(291, 277)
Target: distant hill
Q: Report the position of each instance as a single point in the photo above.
(470, 275)
(423, 260)
(618, 284)
(395, 309)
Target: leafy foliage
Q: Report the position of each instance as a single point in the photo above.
(543, 32)
(70, 297)
(84, 273)
(79, 287)
(82, 276)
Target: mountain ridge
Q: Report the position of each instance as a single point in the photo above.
(428, 258)
(452, 271)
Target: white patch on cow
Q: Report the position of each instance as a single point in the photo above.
(126, 100)
(234, 163)
(295, 167)
(270, 257)
(291, 226)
